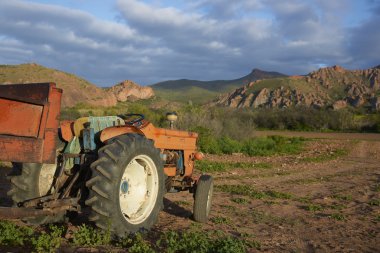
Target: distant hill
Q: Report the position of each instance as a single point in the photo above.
(75, 89)
(333, 87)
(184, 90)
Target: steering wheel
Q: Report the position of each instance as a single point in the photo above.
(133, 122)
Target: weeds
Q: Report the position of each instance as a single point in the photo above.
(88, 236)
(240, 200)
(221, 220)
(326, 157)
(135, 244)
(314, 207)
(196, 241)
(337, 207)
(48, 241)
(374, 202)
(342, 197)
(338, 216)
(248, 190)
(211, 166)
(12, 235)
(258, 146)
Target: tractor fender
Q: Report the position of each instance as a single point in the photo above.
(112, 132)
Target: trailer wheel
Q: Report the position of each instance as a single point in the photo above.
(203, 198)
(29, 181)
(127, 185)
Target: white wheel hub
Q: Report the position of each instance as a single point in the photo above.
(138, 189)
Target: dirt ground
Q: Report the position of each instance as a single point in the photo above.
(326, 200)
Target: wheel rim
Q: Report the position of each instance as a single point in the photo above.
(209, 198)
(138, 189)
(45, 180)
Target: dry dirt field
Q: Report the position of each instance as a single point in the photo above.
(325, 199)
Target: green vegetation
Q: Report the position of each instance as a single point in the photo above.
(314, 207)
(221, 220)
(135, 243)
(338, 216)
(240, 200)
(49, 241)
(12, 235)
(374, 202)
(248, 190)
(211, 166)
(191, 240)
(89, 236)
(326, 156)
(342, 197)
(259, 146)
(196, 241)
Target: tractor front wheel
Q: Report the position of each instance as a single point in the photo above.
(203, 198)
(127, 185)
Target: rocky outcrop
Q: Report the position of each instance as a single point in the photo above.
(276, 98)
(333, 87)
(128, 90)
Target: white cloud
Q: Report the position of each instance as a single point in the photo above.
(154, 40)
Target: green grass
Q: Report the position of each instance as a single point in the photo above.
(338, 216)
(342, 197)
(221, 220)
(240, 201)
(205, 242)
(212, 166)
(194, 94)
(194, 239)
(314, 207)
(374, 202)
(248, 190)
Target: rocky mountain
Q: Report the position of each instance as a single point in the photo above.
(75, 89)
(184, 90)
(333, 87)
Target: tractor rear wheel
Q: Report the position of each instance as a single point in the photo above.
(127, 185)
(203, 198)
(29, 181)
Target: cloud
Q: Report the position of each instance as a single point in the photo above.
(363, 41)
(155, 40)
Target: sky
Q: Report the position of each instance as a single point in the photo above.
(148, 41)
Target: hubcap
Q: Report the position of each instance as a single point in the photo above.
(138, 189)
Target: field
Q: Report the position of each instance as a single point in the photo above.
(324, 199)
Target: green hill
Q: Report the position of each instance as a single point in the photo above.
(184, 90)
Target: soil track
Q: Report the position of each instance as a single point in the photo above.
(332, 203)
(322, 200)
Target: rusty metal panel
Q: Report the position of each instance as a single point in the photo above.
(20, 149)
(18, 118)
(52, 124)
(35, 93)
(29, 120)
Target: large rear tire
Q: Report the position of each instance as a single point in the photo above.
(29, 181)
(127, 185)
